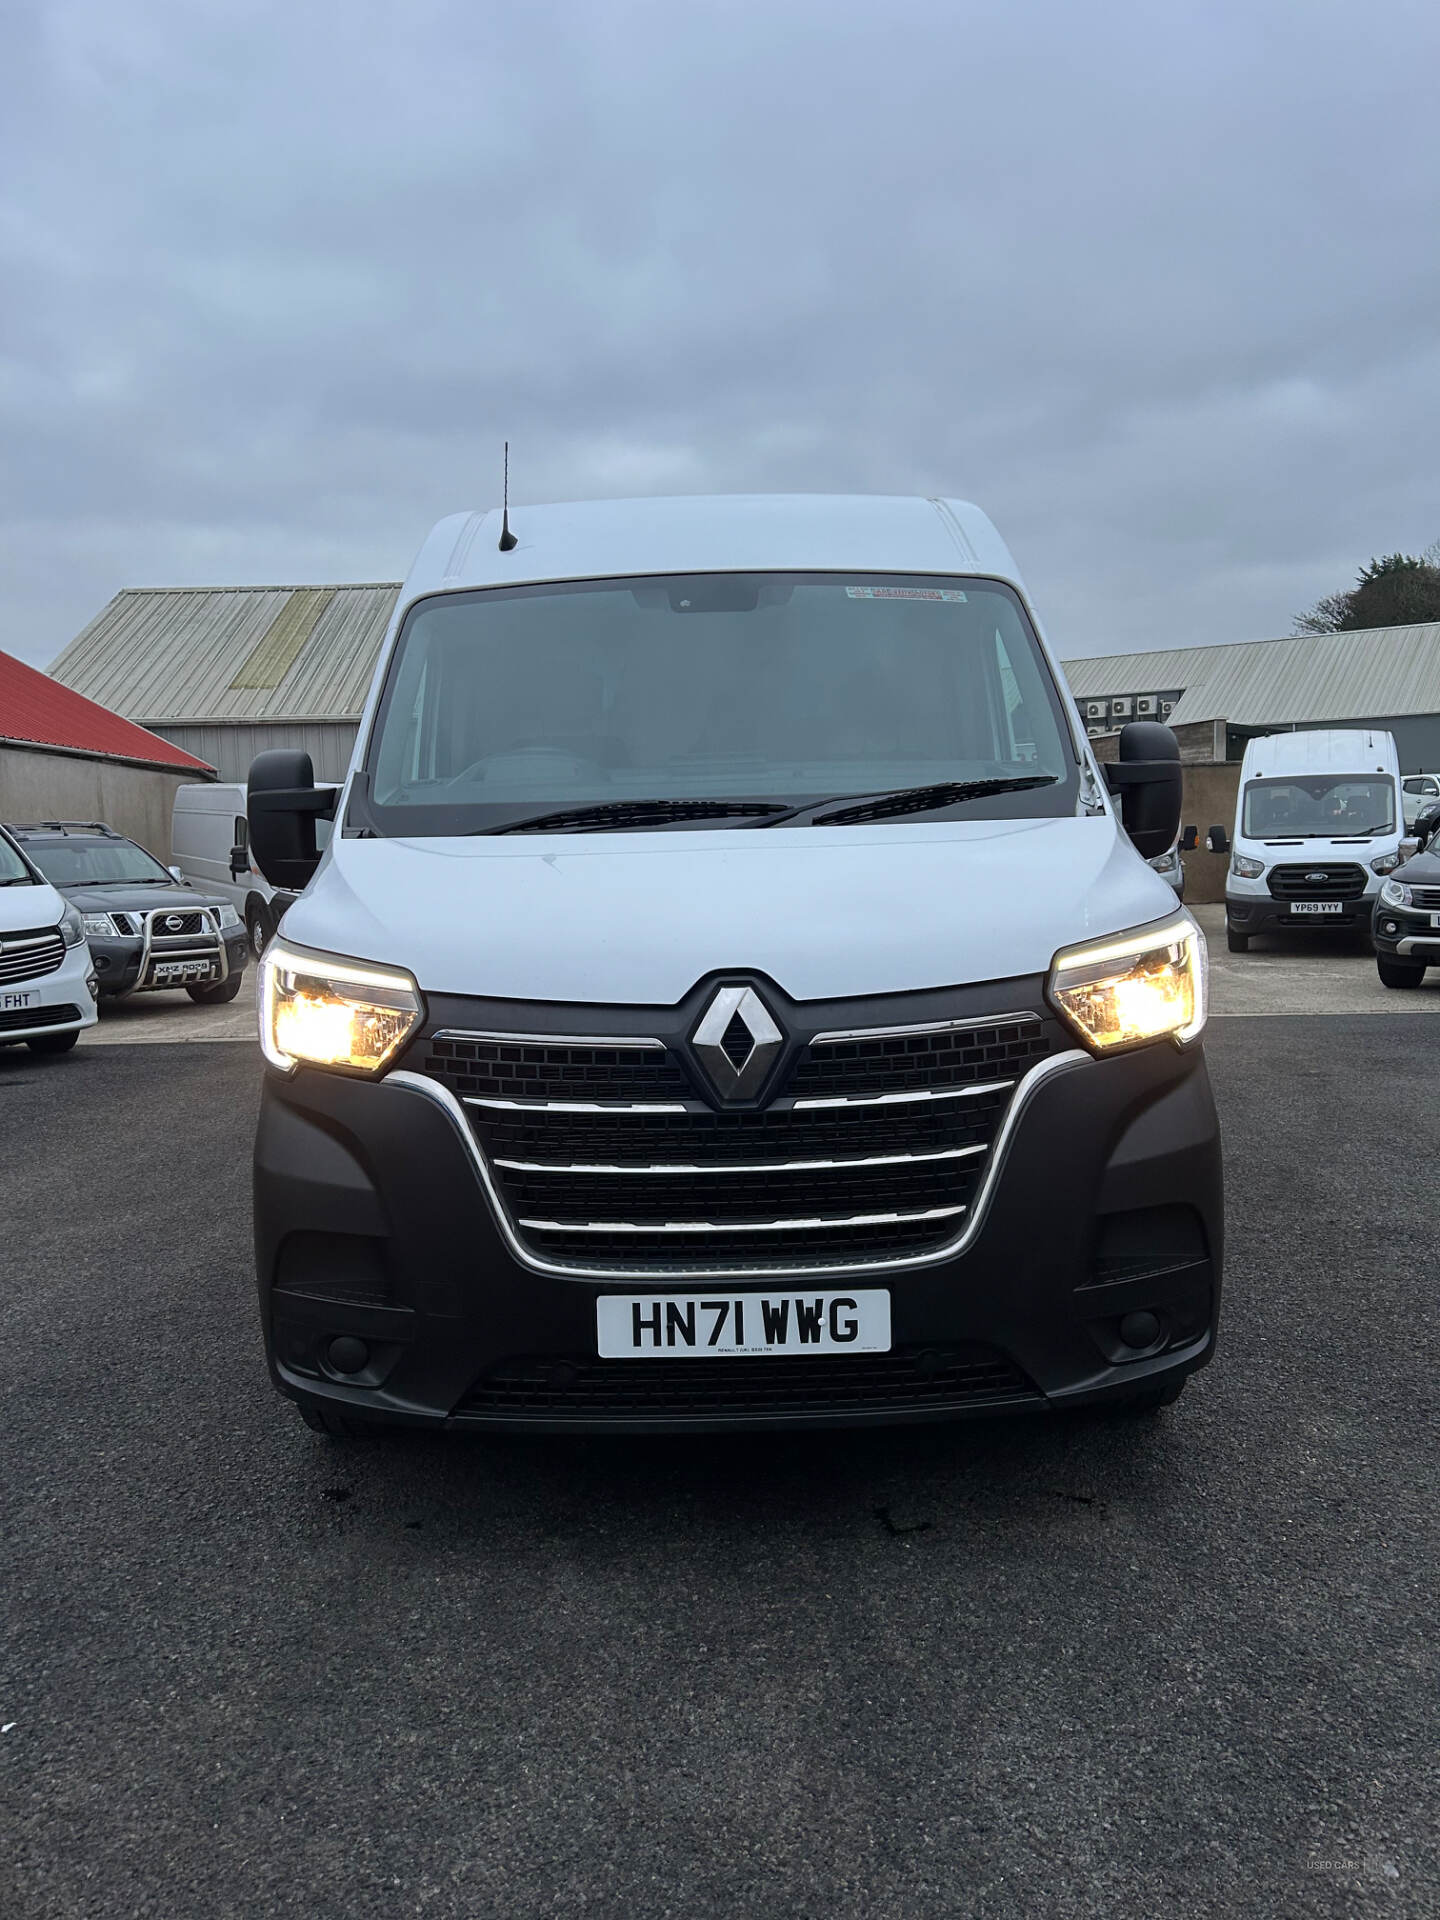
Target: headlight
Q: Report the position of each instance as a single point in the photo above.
(228, 917)
(1163, 862)
(1385, 863)
(333, 1013)
(1244, 868)
(73, 926)
(100, 924)
(1395, 893)
(1146, 985)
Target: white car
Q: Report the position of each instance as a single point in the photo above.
(47, 981)
(1418, 791)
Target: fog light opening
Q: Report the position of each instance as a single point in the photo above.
(1140, 1329)
(347, 1354)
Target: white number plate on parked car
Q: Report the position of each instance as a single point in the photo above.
(1317, 906)
(674, 1325)
(165, 971)
(12, 1002)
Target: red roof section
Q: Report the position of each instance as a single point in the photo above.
(37, 709)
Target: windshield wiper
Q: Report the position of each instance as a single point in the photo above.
(19, 880)
(881, 806)
(634, 814)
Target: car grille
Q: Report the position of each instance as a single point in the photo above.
(874, 1146)
(1344, 882)
(918, 1380)
(21, 1019)
(191, 923)
(29, 956)
(1425, 896)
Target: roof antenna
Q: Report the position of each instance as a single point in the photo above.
(507, 539)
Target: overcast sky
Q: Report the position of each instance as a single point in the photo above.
(1158, 284)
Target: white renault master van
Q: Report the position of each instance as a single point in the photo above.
(1318, 825)
(732, 996)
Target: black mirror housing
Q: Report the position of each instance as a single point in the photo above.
(1148, 780)
(1189, 839)
(1217, 840)
(282, 806)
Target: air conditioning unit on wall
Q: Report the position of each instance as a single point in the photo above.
(1095, 733)
(1167, 707)
(1120, 709)
(1145, 703)
(1095, 709)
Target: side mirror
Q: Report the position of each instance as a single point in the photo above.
(178, 873)
(239, 860)
(1409, 847)
(283, 806)
(1189, 839)
(1148, 780)
(1217, 840)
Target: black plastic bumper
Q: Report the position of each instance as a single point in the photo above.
(1248, 914)
(370, 1222)
(1405, 934)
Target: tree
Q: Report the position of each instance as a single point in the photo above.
(1398, 591)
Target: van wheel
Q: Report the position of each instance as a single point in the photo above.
(54, 1042)
(257, 925)
(1393, 973)
(217, 995)
(1236, 942)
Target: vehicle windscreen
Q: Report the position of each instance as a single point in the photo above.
(506, 703)
(13, 870)
(89, 863)
(1316, 807)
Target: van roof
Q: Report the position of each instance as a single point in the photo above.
(716, 533)
(1321, 750)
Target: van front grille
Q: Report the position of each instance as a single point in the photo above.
(874, 1149)
(30, 955)
(1317, 882)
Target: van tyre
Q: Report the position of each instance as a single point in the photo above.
(1236, 942)
(1393, 973)
(217, 995)
(257, 925)
(54, 1042)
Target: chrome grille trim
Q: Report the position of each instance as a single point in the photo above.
(895, 1099)
(421, 1086)
(841, 1035)
(758, 1166)
(547, 1039)
(738, 1226)
(575, 1106)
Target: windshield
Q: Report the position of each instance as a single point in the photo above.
(509, 702)
(13, 870)
(88, 863)
(1318, 807)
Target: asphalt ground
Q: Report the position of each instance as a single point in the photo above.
(1033, 1667)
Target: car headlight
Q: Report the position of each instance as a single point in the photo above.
(98, 924)
(1244, 868)
(1395, 893)
(333, 1013)
(1385, 863)
(1141, 986)
(72, 926)
(228, 917)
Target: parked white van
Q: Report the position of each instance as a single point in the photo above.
(48, 989)
(210, 842)
(731, 996)
(1318, 825)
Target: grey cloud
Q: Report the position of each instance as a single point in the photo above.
(1152, 284)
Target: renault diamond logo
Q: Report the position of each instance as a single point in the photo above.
(736, 1042)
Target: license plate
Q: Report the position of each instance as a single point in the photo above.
(1317, 906)
(12, 1002)
(165, 971)
(675, 1326)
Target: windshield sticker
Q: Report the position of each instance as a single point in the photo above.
(905, 593)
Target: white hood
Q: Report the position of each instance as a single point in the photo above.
(27, 907)
(638, 918)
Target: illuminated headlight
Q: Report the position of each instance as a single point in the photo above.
(100, 925)
(1385, 863)
(1244, 868)
(1146, 985)
(227, 917)
(1395, 893)
(333, 1013)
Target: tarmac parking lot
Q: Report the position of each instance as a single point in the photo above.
(1043, 1666)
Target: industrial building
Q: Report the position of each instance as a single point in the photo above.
(225, 672)
(63, 757)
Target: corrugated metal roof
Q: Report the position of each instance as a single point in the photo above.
(38, 710)
(1376, 673)
(194, 654)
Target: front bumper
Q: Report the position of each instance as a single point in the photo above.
(1407, 933)
(1262, 913)
(129, 965)
(371, 1221)
(58, 1002)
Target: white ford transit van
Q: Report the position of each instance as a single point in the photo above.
(732, 995)
(1318, 825)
